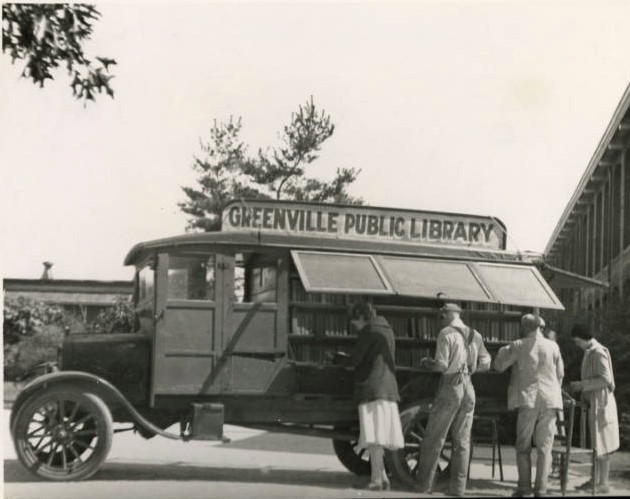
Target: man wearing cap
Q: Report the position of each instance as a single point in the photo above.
(459, 352)
(539, 372)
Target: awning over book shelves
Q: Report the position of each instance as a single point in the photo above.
(340, 273)
(422, 277)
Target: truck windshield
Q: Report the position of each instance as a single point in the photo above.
(146, 279)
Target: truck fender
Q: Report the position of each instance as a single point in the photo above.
(89, 383)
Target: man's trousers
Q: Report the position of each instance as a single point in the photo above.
(453, 408)
(539, 423)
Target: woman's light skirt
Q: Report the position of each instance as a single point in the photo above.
(380, 425)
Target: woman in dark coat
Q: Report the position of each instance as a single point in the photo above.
(376, 390)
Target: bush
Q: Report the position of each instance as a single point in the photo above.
(117, 319)
(24, 317)
(31, 351)
(32, 332)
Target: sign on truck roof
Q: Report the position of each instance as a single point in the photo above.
(358, 222)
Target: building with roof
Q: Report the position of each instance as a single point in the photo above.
(592, 237)
(82, 298)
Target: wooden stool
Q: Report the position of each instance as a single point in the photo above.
(494, 441)
(563, 442)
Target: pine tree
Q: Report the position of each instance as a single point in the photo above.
(227, 171)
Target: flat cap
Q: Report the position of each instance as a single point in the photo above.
(450, 307)
(531, 322)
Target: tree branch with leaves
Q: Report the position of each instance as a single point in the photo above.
(47, 36)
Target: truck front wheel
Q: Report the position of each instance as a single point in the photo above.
(62, 434)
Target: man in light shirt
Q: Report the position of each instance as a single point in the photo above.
(459, 352)
(539, 372)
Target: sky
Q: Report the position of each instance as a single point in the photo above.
(492, 108)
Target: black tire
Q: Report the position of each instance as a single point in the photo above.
(354, 459)
(402, 464)
(62, 434)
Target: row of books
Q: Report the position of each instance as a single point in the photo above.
(414, 327)
(410, 357)
(483, 306)
(330, 323)
(303, 352)
(496, 330)
(427, 328)
(327, 323)
(405, 357)
(511, 331)
(304, 323)
(489, 307)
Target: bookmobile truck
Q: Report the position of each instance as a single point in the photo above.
(234, 327)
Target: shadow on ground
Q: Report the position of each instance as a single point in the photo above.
(14, 472)
(284, 443)
(486, 486)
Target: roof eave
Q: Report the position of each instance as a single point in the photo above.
(255, 238)
(611, 130)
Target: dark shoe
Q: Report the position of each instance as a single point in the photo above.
(520, 493)
(387, 485)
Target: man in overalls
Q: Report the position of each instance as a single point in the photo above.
(459, 352)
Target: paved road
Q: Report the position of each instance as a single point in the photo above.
(254, 464)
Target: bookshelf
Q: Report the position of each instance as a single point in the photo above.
(319, 323)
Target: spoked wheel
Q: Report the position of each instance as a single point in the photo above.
(63, 434)
(403, 463)
(352, 457)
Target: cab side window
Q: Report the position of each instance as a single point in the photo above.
(255, 278)
(263, 283)
(191, 277)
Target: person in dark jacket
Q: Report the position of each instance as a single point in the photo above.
(376, 390)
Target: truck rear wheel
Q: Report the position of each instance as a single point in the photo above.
(62, 434)
(403, 463)
(354, 459)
